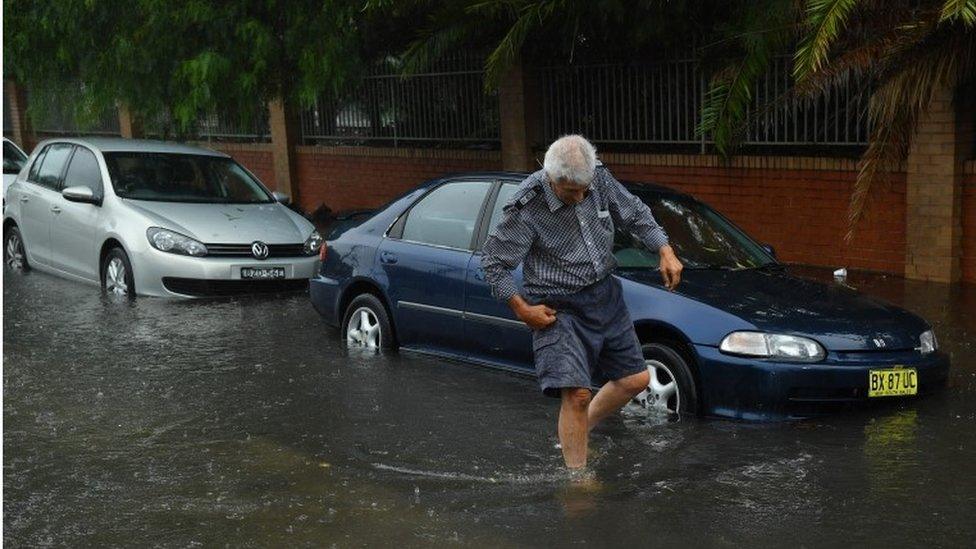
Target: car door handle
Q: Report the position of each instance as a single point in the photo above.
(388, 257)
(55, 209)
(24, 198)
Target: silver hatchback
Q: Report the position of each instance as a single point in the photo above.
(154, 218)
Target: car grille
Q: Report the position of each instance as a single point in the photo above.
(197, 287)
(244, 250)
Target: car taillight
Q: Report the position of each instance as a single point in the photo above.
(323, 251)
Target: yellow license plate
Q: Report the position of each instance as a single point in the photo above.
(892, 382)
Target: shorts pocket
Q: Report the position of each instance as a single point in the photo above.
(546, 337)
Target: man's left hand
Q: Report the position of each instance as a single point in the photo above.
(670, 268)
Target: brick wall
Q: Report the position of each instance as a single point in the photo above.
(797, 205)
(361, 177)
(256, 157)
(969, 222)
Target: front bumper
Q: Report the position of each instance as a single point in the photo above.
(751, 389)
(151, 266)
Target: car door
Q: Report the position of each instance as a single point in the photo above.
(424, 260)
(490, 325)
(73, 246)
(39, 196)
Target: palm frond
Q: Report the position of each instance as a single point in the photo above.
(826, 18)
(905, 92)
(504, 55)
(729, 96)
(964, 10)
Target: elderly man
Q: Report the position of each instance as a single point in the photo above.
(559, 224)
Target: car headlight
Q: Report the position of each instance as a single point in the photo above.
(780, 346)
(927, 342)
(313, 243)
(165, 240)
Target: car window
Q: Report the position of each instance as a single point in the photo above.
(36, 166)
(504, 195)
(701, 237)
(447, 215)
(50, 172)
(171, 177)
(13, 159)
(83, 171)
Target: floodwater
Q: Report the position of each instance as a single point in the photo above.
(247, 423)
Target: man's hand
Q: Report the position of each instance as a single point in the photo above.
(537, 317)
(670, 268)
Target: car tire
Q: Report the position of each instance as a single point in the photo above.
(366, 324)
(14, 252)
(116, 274)
(667, 366)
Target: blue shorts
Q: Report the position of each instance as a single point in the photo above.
(592, 340)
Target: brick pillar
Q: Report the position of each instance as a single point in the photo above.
(519, 112)
(933, 214)
(284, 139)
(130, 125)
(21, 131)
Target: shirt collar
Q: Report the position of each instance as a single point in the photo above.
(551, 199)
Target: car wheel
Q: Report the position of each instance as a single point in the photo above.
(366, 324)
(117, 276)
(14, 255)
(671, 390)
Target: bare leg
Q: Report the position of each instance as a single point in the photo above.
(614, 394)
(573, 431)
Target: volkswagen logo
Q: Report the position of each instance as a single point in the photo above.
(260, 250)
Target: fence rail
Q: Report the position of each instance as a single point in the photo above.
(660, 104)
(641, 105)
(446, 105)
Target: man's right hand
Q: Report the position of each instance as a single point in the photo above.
(537, 317)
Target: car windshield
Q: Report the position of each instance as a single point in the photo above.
(167, 177)
(701, 238)
(13, 159)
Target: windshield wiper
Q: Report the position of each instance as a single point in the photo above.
(710, 267)
(771, 266)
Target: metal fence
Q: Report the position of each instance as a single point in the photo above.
(250, 127)
(660, 104)
(57, 111)
(445, 106)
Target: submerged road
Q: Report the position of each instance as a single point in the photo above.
(247, 422)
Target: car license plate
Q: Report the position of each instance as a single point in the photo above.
(262, 273)
(898, 381)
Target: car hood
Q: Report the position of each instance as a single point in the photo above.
(227, 223)
(838, 317)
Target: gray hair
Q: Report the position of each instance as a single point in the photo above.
(571, 157)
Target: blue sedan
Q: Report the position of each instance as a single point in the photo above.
(739, 338)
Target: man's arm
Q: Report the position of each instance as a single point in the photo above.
(631, 214)
(505, 248)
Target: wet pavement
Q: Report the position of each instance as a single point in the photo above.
(247, 423)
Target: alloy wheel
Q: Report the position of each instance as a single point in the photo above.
(662, 393)
(115, 277)
(13, 253)
(363, 329)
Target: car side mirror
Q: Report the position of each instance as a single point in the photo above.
(79, 194)
(281, 197)
(769, 250)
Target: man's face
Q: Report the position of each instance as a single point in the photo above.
(569, 192)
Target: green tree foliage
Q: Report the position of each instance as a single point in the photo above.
(186, 57)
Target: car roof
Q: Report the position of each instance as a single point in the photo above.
(119, 144)
(519, 176)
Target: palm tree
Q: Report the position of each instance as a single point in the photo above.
(907, 49)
